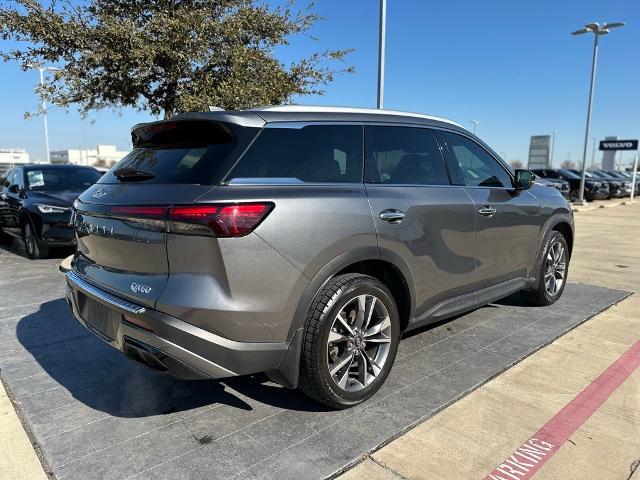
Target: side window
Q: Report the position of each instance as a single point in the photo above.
(479, 169)
(313, 153)
(18, 179)
(404, 156)
(10, 178)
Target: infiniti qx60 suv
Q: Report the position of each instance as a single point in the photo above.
(302, 241)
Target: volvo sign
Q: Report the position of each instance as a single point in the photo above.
(619, 145)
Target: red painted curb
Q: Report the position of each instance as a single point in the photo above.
(535, 452)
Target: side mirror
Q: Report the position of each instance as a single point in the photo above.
(524, 179)
(14, 188)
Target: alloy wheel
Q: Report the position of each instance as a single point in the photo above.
(359, 342)
(555, 268)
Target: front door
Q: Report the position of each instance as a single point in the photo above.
(507, 223)
(422, 220)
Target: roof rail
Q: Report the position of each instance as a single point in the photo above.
(323, 108)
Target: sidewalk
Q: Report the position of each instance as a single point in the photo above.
(475, 435)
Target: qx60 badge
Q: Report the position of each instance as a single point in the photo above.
(139, 288)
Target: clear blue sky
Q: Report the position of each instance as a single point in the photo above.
(510, 64)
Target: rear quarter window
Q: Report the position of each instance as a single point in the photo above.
(305, 153)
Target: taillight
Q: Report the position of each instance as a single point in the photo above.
(220, 220)
(231, 220)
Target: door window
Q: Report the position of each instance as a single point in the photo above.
(404, 156)
(312, 153)
(7, 178)
(478, 168)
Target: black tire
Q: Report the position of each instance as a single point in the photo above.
(573, 195)
(335, 297)
(5, 238)
(32, 245)
(543, 295)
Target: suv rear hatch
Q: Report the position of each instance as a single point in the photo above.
(123, 220)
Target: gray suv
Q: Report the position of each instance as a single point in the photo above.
(303, 241)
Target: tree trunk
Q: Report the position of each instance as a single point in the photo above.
(168, 113)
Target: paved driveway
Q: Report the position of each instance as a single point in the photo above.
(97, 415)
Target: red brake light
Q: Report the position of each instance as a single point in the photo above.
(234, 220)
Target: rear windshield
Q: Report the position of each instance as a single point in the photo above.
(61, 179)
(191, 152)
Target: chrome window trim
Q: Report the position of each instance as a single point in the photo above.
(102, 295)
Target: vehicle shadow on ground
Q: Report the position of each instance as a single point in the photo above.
(102, 378)
(17, 248)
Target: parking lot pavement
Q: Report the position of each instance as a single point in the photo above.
(473, 437)
(94, 414)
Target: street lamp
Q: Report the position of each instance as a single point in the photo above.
(597, 30)
(381, 48)
(43, 106)
(475, 125)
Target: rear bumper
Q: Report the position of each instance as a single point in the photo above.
(166, 343)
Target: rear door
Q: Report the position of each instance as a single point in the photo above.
(14, 199)
(507, 224)
(422, 219)
(120, 221)
(4, 197)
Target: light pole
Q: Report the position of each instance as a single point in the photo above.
(593, 152)
(553, 148)
(381, 47)
(475, 125)
(597, 30)
(43, 106)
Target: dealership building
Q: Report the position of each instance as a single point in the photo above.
(104, 156)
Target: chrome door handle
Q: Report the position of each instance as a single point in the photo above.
(487, 211)
(392, 216)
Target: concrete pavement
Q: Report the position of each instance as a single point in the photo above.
(471, 437)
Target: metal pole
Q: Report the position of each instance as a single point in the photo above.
(43, 107)
(553, 147)
(633, 178)
(381, 48)
(593, 152)
(586, 133)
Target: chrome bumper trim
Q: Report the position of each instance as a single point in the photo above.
(102, 295)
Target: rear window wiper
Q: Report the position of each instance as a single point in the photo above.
(126, 174)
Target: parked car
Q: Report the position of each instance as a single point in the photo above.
(302, 241)
(617, 188)
(626, 179)
(35, 204)
(561, 185)
(593, 190)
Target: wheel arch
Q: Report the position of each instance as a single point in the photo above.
(365, 260)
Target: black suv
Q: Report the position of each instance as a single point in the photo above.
(593, 189)
(35, 204)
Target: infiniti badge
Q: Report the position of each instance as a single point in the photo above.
(99, 193)
(138, 288)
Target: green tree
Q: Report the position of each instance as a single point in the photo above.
(165, 56)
